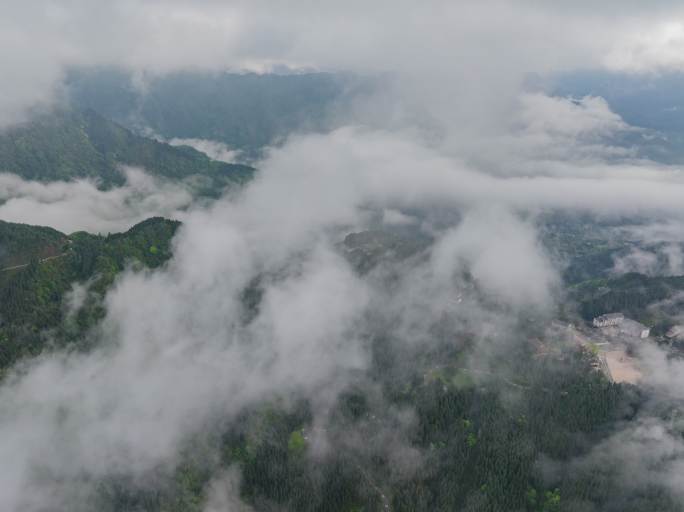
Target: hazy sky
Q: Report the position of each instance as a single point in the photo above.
(471, 49)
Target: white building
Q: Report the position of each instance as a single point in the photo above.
(634, 329)
(609, 320)
(675, 332)
(623, 326)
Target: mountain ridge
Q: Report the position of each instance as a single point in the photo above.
(71, 144)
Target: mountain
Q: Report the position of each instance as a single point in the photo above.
(652, 102)
(41, 266)
(71, 144)
(472, 436)
(20, 243)
(244, 111)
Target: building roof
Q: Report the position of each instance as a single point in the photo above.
(675, 331)
(610, 316)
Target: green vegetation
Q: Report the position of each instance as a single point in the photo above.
(32, 307)
(297, 444)
(583, 246)
(631, 294)
(71, 144)
(486, 447)
(587, 248)
(244, 111)
(479, 451)
(20, 243)
(421, 429)
(593, 349)
(366, 249)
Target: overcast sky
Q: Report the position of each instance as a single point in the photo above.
(470, 49)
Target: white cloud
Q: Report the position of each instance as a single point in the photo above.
(472, 55)
(649, 49)
(213, 149)
(665, 260)
(393, 217)
(525, 276)
(353, 166)
(174, 353)
(81, 206)
(637, 260)
(224, 494)
(164, 369)
(543, 115)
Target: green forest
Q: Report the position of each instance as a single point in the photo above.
(247, 111)
(474, 446)
(418, 431)
(72, 143)
(32, 310)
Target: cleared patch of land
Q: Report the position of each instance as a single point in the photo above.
(622, 367)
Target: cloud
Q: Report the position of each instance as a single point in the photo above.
(468, 55)
(224, 494)
(174, 353)
(663, 260)
(646, 452)
(162, 369)
(213, 149)
(654, 231)
(81, 206)
(396, 218)
(525, 276)
(650, 49)
(637, 260)
(353, 166)
(589, 116)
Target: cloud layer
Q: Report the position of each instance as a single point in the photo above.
(459, 53)
(81, 206)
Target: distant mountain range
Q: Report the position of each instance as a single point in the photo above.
(245, 111)
(652, 102)
(74, 143)
(113, 118)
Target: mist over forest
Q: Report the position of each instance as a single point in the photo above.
(355, 257)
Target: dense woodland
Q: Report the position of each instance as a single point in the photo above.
(422, 429)
(33, 313)
(246, 111)
(20, 243)
(469, 445)
(643, 298)
(71, 144)
(419, 430)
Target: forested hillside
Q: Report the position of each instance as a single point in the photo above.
(33, 306)
(637, 296)
(71, 144)
(423, 428)
(426, 436)
(244, 111)
(20, 243)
